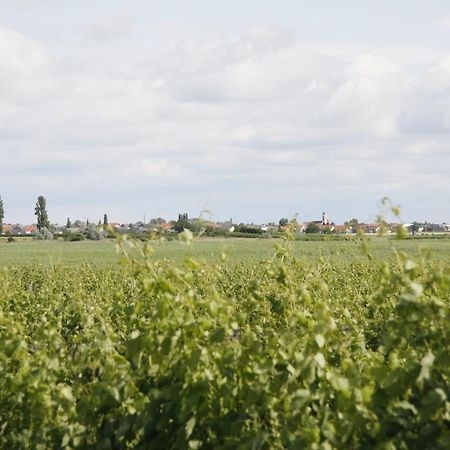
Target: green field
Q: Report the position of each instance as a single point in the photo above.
(27, 251)
(323, 346)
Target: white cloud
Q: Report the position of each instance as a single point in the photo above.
(110, 27)
(24, 71)
(426, 110)
(298, 123)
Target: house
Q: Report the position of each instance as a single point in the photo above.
(17, 229)
(30, 229)
(435, 228)
(210, 225)
(371, 228)
(168, 226)
(225, 225)
(298, 227)
(327, 228)
(7, 228)
(342, 229)
(58, 230)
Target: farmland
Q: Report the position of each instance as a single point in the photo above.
(225, 344)
(28, 251)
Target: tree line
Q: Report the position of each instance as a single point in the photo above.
(40, 211)
(45, 228)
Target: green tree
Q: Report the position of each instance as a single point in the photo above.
(69, 223)
(40, 212)
(157, 221)
(352, 223)
(2, 215)
(93, 234)
(44, 234)
(182, 223)
(414, 228)
(312, 228)
(105, 220)
(283, 221)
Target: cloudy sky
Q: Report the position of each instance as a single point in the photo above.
(252, 109)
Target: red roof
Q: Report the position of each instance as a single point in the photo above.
(341, 227)
(209, 224)
(7, 227)
(30, 228)
(166, 226)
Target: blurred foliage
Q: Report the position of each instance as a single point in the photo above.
(279, 353)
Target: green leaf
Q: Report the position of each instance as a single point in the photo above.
(320, 360)
(320, 340)
(190, 424)
(426, 364)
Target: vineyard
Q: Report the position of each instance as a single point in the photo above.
(271, 354)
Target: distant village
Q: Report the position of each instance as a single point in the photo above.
(104, 228)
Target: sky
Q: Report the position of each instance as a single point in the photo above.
(250, 110)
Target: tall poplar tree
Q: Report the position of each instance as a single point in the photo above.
(40, 212)
(2, 215)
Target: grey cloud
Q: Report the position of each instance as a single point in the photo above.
(427, 108)
(426, 114)
(110, 27)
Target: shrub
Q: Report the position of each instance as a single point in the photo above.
(247, 230)
(73, 237)
(94, 234)
(44, 234)
(312, 228)
(277, 354)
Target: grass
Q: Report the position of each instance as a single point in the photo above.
(27, 251)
